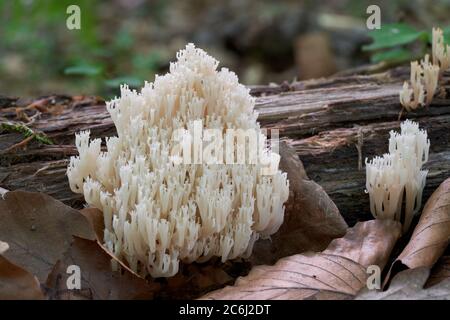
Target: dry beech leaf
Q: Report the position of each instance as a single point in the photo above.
(98, 281)
(38, 230)
(17, 284)
(409, 285)
(375, 240)
(440, 272)
(337, 273)
(311, 218)
(431, 235)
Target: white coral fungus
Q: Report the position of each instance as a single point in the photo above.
(425, 76)
(440, 51)
(157, 212)
(396, 180)
(424, 82)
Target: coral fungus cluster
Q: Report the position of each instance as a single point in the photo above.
(396, 180)
(158, 212)
(425, 75)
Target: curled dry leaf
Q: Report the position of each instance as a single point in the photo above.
(431, 235)
(408, 285)
(311, 218)
(17, 283)
(98, 281)
(38, 230)
(337, 273)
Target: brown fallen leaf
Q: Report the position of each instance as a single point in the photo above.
(17, 284)
(431, 235)
(337, 273)
(440, 272)
(408, 285)
(375, 243)
(38, 230)
(98, 281)
(311, 218)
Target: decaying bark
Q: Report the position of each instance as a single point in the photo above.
(333, 124)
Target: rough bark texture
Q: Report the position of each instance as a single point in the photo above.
(333, 123)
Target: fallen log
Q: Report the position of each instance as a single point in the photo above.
(333, 124)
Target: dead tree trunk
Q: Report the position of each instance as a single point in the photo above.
(333, 124)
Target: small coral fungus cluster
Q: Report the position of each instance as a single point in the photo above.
(158, 212)
(425, 75)
(396, 180)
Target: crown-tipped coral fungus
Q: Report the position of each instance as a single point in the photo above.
(158, 211)
(396, 180)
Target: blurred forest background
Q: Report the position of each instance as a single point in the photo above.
(262, 41)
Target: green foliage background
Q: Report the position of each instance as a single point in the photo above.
(392, 43)
(87, 59)
(132, 40)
